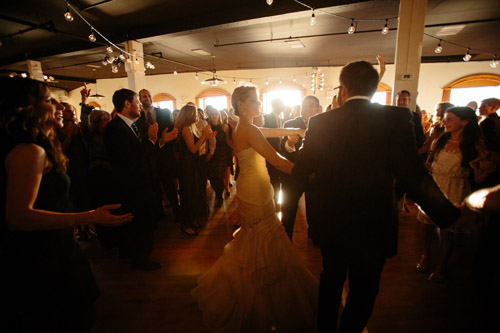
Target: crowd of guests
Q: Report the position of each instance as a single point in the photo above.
(140, 154)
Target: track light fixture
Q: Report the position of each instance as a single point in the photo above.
(196, 76)
(385, 29)
(109, 49)
(352, 28)
(467, 55)
(175, 71)
(494, 62)
(269, 2)
(438, 48)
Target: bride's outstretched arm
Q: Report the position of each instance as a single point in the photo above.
(277, 132)
(257, 140)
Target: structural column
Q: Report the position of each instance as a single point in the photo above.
(35, 69)
(135, 70)
(411, 27)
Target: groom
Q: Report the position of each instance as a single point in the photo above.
(350, 159)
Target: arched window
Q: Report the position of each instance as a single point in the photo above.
(216, 97)
(291, 94)
(164, 101)
(383, 94)
(472, 88)
(95, 105)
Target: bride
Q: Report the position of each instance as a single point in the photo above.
(260, 283)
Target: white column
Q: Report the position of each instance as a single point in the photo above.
(35, 69)
(411, 27)
(135, 71)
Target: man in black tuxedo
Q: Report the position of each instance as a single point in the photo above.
(165, 168)
(130, 143)
(273, 120)
(290, 149)
(353, 154)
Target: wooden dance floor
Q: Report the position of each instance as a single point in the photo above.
(159, 301)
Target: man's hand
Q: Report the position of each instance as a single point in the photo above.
(85, 92)
(168, 136)
(153, 132)
(292, 140)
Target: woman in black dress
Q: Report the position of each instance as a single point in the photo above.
(47, 283)
(193, 203)
(218, 162)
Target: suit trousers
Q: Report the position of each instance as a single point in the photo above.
(290, 200)
(363, 270)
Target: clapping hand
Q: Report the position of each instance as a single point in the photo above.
(168, 136)
(153, 132)
(207, 131)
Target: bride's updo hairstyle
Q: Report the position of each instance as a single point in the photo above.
(240, 94)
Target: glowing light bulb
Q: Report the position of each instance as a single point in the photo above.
(352, 28)
(385, 29)
(467, 55)
(269, 2)
(196, 77)
(267, 82)
(494, 62)
(439, 48)
(313, 19)
(92, 36)
(175, 71)
(68, 16)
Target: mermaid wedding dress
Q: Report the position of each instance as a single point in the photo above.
(260, 283)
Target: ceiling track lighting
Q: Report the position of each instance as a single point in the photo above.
(438, 48)
(467, 55)
(352, 28)
(104, 60)
(494, 62)
(196, 76)
(385, 29)
(269, 2)
(175, 71)
(109, 49)
(92, 36)
(267, 82)
(68, 16)
(313, 19)
(214, 81)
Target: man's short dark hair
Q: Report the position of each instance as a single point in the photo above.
(120, 96)
(404, 92)
(360, 78)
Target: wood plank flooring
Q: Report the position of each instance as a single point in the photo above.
(136, 301)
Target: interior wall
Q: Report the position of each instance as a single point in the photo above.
(184, 87)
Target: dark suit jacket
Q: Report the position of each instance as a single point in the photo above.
(165, 159)
(292, 123)
(490, 128)
(270, 122)
(130, 157)
(351, 156)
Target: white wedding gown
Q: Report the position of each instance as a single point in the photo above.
(260, 283)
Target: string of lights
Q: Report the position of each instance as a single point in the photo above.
(116, 62)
